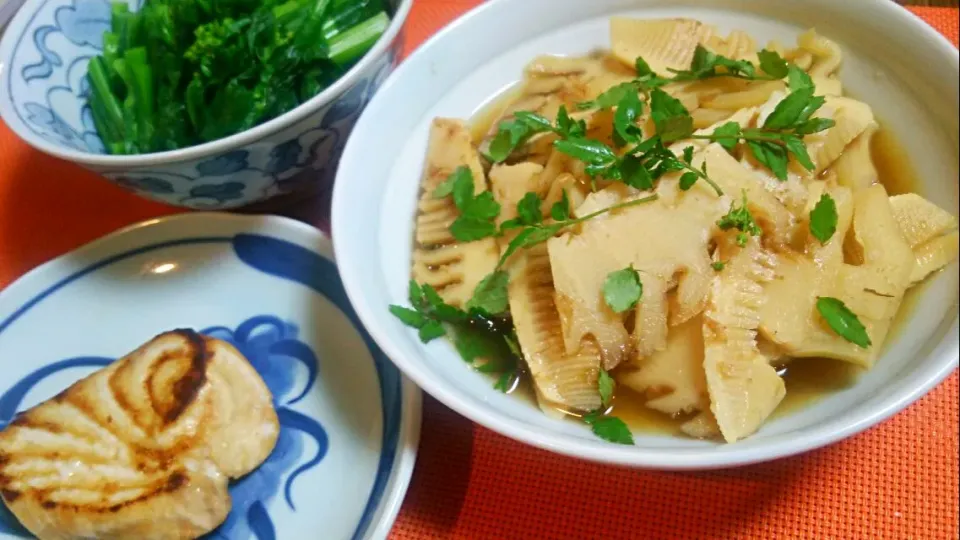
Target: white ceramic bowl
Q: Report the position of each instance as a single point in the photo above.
(894, 61)
(43, 99)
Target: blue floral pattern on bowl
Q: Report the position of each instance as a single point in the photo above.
(43, 97)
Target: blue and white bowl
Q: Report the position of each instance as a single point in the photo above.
(43, 99)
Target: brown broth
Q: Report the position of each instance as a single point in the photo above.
(631, 407)
(806, 380)
(893, 165)
(483, 121)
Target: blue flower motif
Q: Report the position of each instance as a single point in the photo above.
(48, 58)
(228, 163)
(90, 137)
(57, 128)
(84, 92)
(284, 157)
(85, 22)
(148, 184)
(321, 145)
(346, 106)
(227, 191)
(288, 366)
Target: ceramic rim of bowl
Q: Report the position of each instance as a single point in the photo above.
(258, 132)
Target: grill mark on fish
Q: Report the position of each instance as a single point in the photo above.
(6, 492)
(79, 403)
(148, 384)
(88, 458)
(186, 389)
(9, 495)
(26, 422)
(170, 484)
(118, 395)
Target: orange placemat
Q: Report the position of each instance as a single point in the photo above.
(897, 481)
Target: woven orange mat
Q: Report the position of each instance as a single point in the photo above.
(897, 481)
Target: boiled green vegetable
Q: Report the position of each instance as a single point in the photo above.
(183, 72)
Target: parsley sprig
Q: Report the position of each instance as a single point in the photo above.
(781, 135)
(640, 166)
(740, 218)
(606, 426)
(823, 219)
(843, 321)
(648, 159)
(531, 235)
(477, 212)
(517, 131)
(490, 295)
(476, 336)
(707, 65)
(429, 312)
(622, 289)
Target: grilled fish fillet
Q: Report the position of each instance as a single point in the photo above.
(143, 448)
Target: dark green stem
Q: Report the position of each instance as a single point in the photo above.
(352, 44)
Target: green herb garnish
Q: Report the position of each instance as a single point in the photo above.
(506, 381)
(740, 218)
(612, 97)
(629, 109)
(429, 312)
(478, 213)
(823, 219)
(605, 385)
(475, 336)
(560, 210)
(490, 295)
(509, 378)
(718, 265)
(843, 321)
(707, 65)
(773, 144)
(622, 289)
(535, 234)
(511, 135)
(781, 135)
(598, 156)
(459, 184)
(727, 135)
(798, 79)
(609, 428)
(671, 118)
(515, 132)
(773, 64)
(528, 212)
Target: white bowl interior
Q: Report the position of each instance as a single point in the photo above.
(892, 60)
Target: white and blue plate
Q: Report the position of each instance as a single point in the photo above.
(349, 421)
